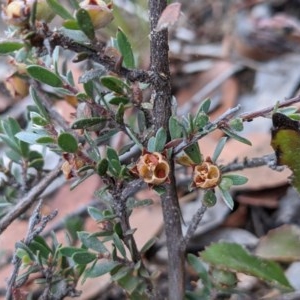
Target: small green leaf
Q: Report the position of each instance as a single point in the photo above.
(175, 128)
(38, 102)
(205, 106)
(27, 137)
(37, 119)
(84, 258)
(219, 148)
(67, 142)
(85, 23)
(71, 24)
(120, 114)
(7, 47)
(87, 122)
(160, 139)
(236, 136)
(119, 245)
(96, 214)
(10, 143)
(236, 124)
(125, 49)
(200, 120)
(91, 242)
(36, 247)
(102, 167)
(45, 76)
(226, 183)
(236, 179)
(101, 268)
(193, 152)
(233, 257)
(59, 9)
(160, 190)
(112, 154)
(115, 84)
(70, 251)
(151, 144)
(119, 100)
(148, 245)
(227, 198)
(36, 160)
(209, 198)
(44, 140)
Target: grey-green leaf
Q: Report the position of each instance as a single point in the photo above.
(67, 142)
(7, 47)
(160, 139)
(236, 136)
(101, 268)
(227, 198)
(83, 258)
(219, 148)
(175, 128)
(91, 242)
(87, 122)
(115, 84)
(85, 23)
(45, 76)
(125, 49)
(59, 9)
(236, 179)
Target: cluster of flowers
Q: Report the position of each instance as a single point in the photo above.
(154, 169)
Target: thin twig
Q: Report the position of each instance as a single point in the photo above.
(32, 232)
(247, 117)
(94, 52)
(193, 225)
(247, 163)
(29, 199)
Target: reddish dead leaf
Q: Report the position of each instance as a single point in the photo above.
(169, 16)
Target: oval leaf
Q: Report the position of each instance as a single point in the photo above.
(45, 76)
(91, 242)
(102, 268)
(160, 139)
(7, 47)
(114, 84)
(85, 23)
(125, 49)
(87, 123)
(236, 179)
(83, 258)
(67, 142)
(59, 9)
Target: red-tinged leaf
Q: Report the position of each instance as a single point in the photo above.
(286, 143)
(169, 16)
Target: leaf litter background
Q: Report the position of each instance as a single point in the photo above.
(235, 52)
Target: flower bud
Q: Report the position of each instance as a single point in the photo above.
(17, 86)
(15, 12)
(206, 175)
(43, 10)
(100, 12)
(153, 168)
